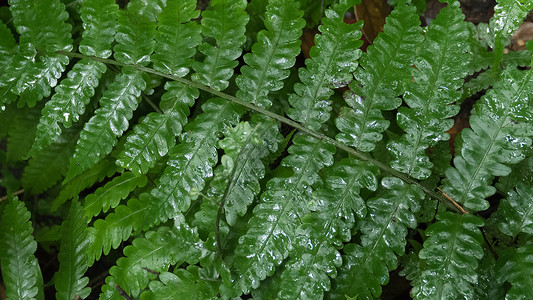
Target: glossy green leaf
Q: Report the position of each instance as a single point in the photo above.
(273, 54)
(271, 230)
(366, 266)
(20, 270)
(191, 162)
(176, 38)
(68, 103)
(41, 24)
(115, 228)
(109, 121)
(69, 280)
(432, 92)
(99, 23)
(135, 32)
(156, 134)
(155, 252)
(515, 265)
(452, 251)
(225, 23)
(378, 82)
(333, 59)
(109, 196)
(499, 135)
(237, 181)
(517, 211)
(325, 229)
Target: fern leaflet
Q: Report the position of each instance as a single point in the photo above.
(20, 269)
(72, 259)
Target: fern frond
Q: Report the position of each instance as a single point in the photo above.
(50, 165)
(21, 132)
(153, 253)
(43, 25)
(333, 59)
(111, 194)
(156, 133)
(8, 46)
(517, 211)
(271, 231)
(515, 265)
(182, 285)
(68, 103)
(430, 95)
(237, 182)
(136, 31)
(499, 136)
(225, 22)
(105, 168)
(384, 68)
(99, 23)
(325, 229)
(191, 162)
(176, 38)
(69, 280)
(116, 228)
(273, 54)
(109, 121)
(20, 270)
(452, 251)
(508, 15)
(366, 266)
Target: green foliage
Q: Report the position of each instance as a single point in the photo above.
(20, 269)
(69, 279)
(199, 170)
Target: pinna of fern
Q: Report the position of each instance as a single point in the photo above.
(189, 183)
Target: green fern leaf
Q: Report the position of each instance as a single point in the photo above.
(508, 15)
(273, 54)
(176, 38)
(378, 82)
(116, 228)
(237, 182)
(135, 32)
(191, 162)
(499, 136)
(156, 133)
(20, 269)
(225, 22)
(333, 61)
(99, 21)
(50, 165)
(366, 266)
(452, 251)
(41, 24)
(184, 284)
(515, 265)
(109, 121)
(325, 229)
(106, 168)
(271, 231)
(517, 211)
(155, 252)
(256, 10)
(22, 132)
(69, 282)
(68, 103)
(430, 95)
(111, 194)
(8, 46)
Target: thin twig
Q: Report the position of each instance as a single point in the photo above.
(14, 194)
(406, 178)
